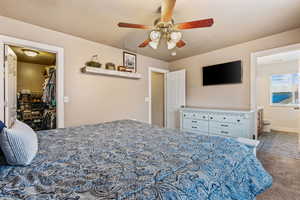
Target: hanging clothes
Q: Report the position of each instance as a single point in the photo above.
(49, 94)
(49, 120)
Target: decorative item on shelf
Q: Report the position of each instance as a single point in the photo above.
(94, 62)
(129, 61)
(122, 68)
(110, 66)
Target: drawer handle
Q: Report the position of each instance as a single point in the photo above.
(194, 121)
(194, 127)
(224, 125)
(225, 132)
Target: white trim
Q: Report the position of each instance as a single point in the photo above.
(59, 65)
(163, 71)
(283, 105)
(254, 64)
(284, 129)
(2, 106)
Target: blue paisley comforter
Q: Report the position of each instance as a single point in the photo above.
(132, 160)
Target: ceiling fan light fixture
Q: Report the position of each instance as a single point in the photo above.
(175, 36)
(165, 28)
(30, 52)
(171, 44)
(153, 44)
(155, 35)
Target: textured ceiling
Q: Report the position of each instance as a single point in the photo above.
(43, 58)
(236, 21)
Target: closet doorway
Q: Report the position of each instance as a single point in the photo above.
(32, 77)
(8, 80)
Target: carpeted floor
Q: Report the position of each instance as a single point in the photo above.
(281, 144)
(279, 153)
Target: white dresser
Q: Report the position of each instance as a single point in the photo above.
(232, 123)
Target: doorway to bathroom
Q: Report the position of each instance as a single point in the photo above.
(277, 100)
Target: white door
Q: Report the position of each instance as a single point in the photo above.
(10, 93)
(175, 97)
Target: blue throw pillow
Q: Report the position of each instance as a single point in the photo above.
(2, 159)
(2, 126)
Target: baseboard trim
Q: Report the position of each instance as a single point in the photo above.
(285, 130)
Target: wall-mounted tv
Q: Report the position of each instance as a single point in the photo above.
(227, 73)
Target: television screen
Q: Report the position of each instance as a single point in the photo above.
(227, 73)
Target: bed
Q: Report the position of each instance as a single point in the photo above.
(132, 160)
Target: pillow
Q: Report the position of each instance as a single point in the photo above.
(2, 126)
(2, 159)
(19, 144)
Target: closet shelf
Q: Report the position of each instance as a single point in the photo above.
(106, 72)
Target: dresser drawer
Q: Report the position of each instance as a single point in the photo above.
(225, 125)
(222, 133)
(230, 118)
(194, 124)
(226, 131)
(195, 115)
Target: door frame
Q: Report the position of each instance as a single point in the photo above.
(163, 71)
(59, 51)
(253, 71)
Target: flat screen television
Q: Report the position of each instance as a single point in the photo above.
(227, 73)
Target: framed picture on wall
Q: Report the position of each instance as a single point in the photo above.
(129, 61)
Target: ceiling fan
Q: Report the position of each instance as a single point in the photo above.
(164, 27)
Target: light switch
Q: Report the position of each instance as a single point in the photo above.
(66, 99)
(147, 99)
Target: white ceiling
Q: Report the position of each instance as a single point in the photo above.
(236, 21)
(279, 58)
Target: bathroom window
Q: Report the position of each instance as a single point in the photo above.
(284, 89)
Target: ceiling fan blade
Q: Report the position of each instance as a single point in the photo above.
(145, 43)
(180, 44)
(167, 8)
(128, 25)
(195, 24)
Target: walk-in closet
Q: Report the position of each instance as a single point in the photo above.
(36, 87)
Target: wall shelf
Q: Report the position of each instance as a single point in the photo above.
(106, 72)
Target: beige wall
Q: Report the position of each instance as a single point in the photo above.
(282, 118)
(30, 76)
(157, 98)
(96, 99)
(93, 98)
(236, 96)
